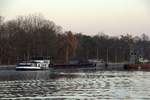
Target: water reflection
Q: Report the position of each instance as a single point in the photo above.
(65, 84)
(23, 75)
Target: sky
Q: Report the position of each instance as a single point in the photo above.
(113, 17)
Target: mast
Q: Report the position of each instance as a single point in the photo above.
(97, 53)
(67, 54)
(107, 56)
(115, 55)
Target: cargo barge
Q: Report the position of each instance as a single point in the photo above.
(74, 64)
(86, 65)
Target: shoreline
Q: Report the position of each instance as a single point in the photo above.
(7, 67)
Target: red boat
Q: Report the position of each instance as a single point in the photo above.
(137, 62)
(137, 66)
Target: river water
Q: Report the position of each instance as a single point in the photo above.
(74, 85)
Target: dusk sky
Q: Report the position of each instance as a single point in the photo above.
(113, 17)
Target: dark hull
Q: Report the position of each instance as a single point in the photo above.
(67, 66)
(26, 69)
(137, 66)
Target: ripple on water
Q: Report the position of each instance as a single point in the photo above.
(97, 85)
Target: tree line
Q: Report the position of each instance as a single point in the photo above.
(33, 35)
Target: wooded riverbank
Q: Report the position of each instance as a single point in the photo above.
(29, 36)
